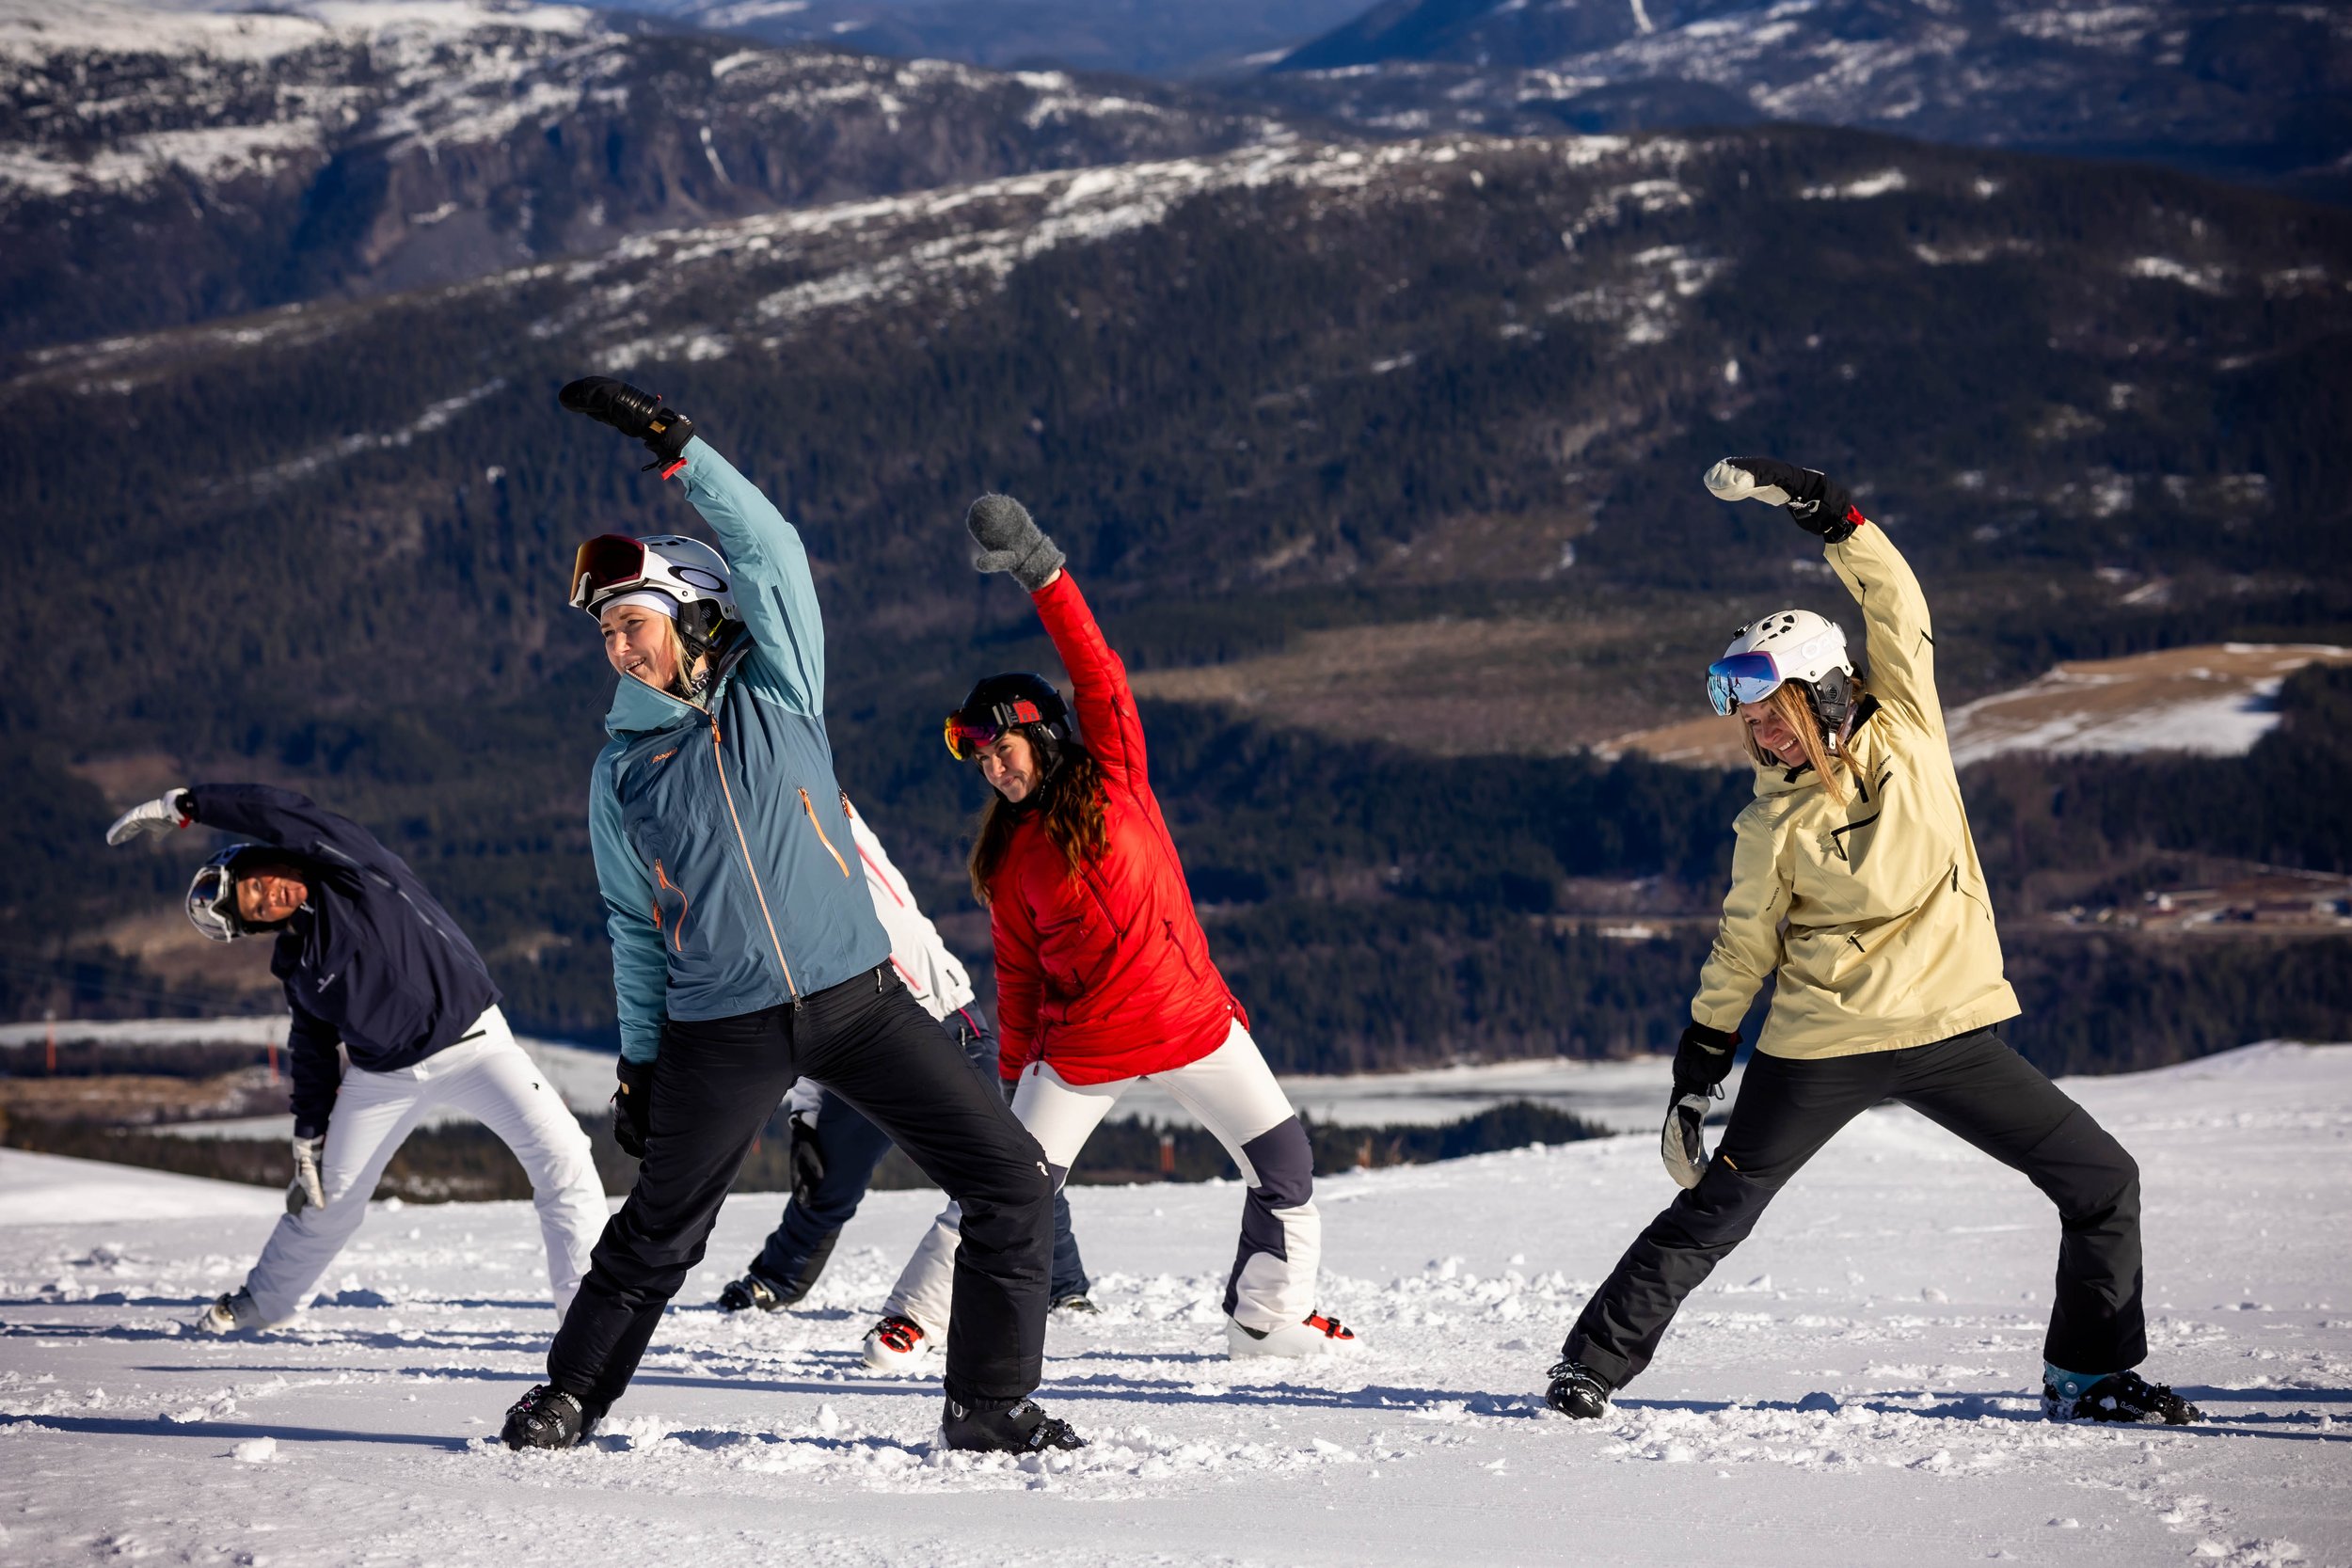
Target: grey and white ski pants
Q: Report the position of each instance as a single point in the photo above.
(488, 1078)
(1974, 1086)
(1233, 1093)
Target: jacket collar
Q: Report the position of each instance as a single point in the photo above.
(639, 708)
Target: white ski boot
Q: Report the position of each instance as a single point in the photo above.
(897, 1347)
(234, 1310)
(1317, 1334)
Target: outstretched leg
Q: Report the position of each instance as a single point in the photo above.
(497, 1084)
(1787, 1110)
(881, 1052)
(1978, 1089)
(714, 1085)
(375, 1112)
(1233, 1092)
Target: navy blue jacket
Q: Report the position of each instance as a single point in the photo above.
(370, 961)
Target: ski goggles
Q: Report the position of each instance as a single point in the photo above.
(608, 563)
(968, 737)
(1740, 678)
(614, 564)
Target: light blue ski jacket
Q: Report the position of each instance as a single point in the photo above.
(721, 840)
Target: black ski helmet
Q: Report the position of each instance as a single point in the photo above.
(1018, 700)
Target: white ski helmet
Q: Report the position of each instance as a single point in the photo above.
(684, 570)
(1786, 645)
(211, 902)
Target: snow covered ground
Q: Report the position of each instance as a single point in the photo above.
(1853, 1388)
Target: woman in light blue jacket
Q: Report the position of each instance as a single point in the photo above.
(746, 953)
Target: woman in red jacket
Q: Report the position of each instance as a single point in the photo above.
(1102, 974)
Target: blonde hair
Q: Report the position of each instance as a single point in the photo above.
(1796, 711)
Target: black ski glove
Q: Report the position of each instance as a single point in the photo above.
(1702, 1057)
(1010, 541)
(632, 1108)
(1818, 504)
(808, 1160)
(642, 416)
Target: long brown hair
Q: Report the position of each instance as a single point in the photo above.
(1071, 811)
(1796, 712)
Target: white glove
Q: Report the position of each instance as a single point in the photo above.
(1679, 1142)
(162, 815)
(304, 1191)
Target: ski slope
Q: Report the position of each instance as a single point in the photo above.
(1851, 1388)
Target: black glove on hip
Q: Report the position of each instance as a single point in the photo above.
(632, 1108)
(1702, 1058)
(1816, 503)
(1010, 541)
(642, 416)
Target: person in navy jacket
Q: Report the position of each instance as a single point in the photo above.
(376, 972)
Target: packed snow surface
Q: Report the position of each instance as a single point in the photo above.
(1854, 1386)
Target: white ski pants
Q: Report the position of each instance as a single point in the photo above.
(490, 1079)
(1233, 1093)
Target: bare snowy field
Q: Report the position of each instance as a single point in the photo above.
(1853, 1387)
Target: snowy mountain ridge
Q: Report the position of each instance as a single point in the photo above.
(2252, 88)
(177, 164)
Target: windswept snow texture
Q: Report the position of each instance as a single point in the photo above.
(1854, 1386)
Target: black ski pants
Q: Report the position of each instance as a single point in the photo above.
(714, 1085)
(1974, 1086)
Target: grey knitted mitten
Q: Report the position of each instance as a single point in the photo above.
(1010, 541)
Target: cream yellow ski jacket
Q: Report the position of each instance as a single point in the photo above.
(1872, 914)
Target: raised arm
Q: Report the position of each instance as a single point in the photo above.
(641, 974)
(1900, 640)
(1900, 637)
(1010, 541)
(288, 821)
(1105, 704)
(772, 586)
(773, 589)
(1747, 945)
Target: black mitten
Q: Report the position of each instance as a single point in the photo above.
(808, 1159)
(1702, 1058)
(1816, 503)
(640, 415)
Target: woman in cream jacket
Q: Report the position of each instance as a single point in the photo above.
(1856, 890)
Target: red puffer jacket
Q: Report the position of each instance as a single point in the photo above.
(1106, 977)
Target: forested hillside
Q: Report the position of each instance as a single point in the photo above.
(1451, 387)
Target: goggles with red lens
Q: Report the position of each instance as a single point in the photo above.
(967, 737)
(1740, 678)
(606, 564)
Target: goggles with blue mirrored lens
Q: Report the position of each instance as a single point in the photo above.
(1740, 678)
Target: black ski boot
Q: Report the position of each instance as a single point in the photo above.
(1021, 1429)
(1077, 1301)
(742, 1295)
(2118, 1396)
(1576, 1391)
(547, 1418)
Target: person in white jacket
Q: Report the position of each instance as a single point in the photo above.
(836, 1151)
